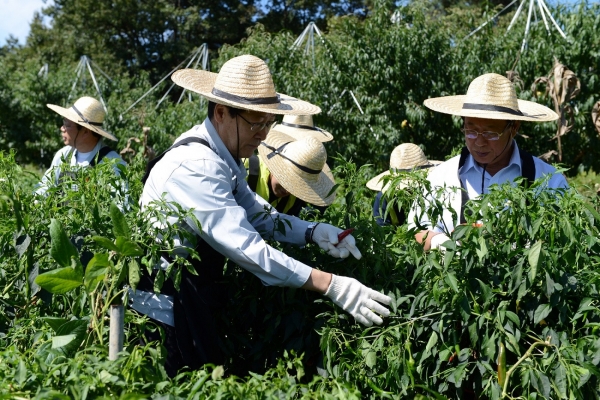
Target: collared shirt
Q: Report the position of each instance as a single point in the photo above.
(447, 175)
(71, 156)
(212, 184)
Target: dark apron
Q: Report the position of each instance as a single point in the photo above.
(194, 341)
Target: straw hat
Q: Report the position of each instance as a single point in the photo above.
(406, 157)
(300, 166)
(87, 112)
(301, 126)
(243, 82)
(491, 96)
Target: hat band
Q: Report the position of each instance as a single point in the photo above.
(490, 107)
(275, 152)
(411, 169)
(312, 128)
(87, 121)
(245, 100)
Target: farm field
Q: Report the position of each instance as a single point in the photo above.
(513, 312)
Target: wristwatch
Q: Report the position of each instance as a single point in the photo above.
(309, 232)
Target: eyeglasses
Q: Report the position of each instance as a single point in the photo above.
(487, 135)
(259, 126)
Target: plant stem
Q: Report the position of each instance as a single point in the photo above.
(525, 356)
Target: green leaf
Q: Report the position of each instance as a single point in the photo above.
(128, 248)
(55, 322)
(61, 249)
(451, 280)
(371, 359)
(560, 380)
(482, 251)
(486, 292)
(105, 243)
(96, 271)
(430, 344)
(120, 227)
(134, 274)
(534, 258)
(60, 281)
(541, 312)
(70, 335)
(21, 373)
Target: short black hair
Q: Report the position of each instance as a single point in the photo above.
(95, 134)
(232, 110)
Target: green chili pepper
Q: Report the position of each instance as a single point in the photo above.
(552, 232)
(501, 364)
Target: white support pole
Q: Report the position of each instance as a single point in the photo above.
(116, 335)
(527, 26)
(512, 22)
(552, 19)
(78, 70)
(543, 16)
(488, 21)
(95, 83)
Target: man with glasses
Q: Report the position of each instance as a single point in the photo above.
(492, 116)
(202, 174)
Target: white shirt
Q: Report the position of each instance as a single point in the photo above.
(446, 175)
(212, 183)
(51, 176)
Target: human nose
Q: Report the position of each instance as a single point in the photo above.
(480, 141)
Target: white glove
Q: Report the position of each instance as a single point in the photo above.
(358, 300)
(437, 242)
(326, 236)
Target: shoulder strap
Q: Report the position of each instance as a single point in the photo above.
(253, 171)
(527, 166)
(103, 152)
(156, 159)
(464, 195)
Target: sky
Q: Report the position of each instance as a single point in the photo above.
(16, 15)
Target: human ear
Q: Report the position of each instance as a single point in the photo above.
(219, 113)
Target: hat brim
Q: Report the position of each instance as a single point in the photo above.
(203, 82)
(313, 191)
(453, 105)
(299, 133)
(72, 115)
(377, 183)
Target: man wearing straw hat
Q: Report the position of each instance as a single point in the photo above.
(492, 116)
(83, 136)
(202, 173)
(287, 187)
(406, 157)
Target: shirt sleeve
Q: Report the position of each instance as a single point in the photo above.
(205, 187)
(50, 177)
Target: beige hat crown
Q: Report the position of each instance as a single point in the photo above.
(243, 82)
(300, 166)
(87, 112)
(491, 96)
(300, 126)
(405, 157)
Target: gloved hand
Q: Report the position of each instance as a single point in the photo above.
(358, 300)
(326, 236)
(437, 242)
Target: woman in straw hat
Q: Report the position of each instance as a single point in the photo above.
(83, 136)
(406, 157)
(203, 174)
(295, 179)
(492, 116)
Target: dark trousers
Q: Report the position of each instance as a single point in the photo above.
(194, 340)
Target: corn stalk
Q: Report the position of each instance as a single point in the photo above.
(562, 85)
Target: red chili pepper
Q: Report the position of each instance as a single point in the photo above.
(343, 234)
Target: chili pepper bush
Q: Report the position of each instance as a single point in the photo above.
(511, 311)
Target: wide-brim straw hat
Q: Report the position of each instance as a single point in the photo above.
(243, 82)
(491, 96)
(87, 112)
(405, 158)
(301, 126)
(299, 166)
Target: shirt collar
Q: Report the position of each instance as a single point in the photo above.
(221, 149)
(515, 159)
